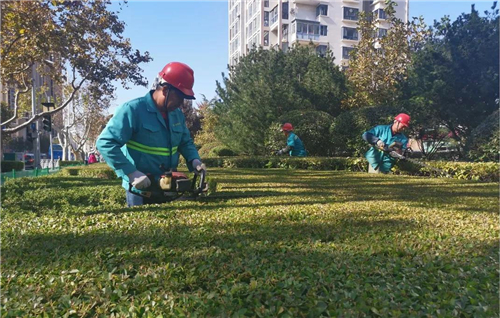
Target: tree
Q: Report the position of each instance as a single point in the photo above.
(208, 122)
(267, 84)
(454, 79)
(84, 119)
(83, 37)
(484, 142)
(379, 63)
(347, 128)
(192, 119)
(311, 126)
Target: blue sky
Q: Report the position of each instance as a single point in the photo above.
(195, 32)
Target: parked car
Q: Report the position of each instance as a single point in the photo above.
(29, 161)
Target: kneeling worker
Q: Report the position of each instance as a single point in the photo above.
(382, 136)
(294, 145)
(150, 132)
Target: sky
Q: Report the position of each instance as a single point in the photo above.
(196, 33)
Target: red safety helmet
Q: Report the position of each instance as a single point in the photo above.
(287, 127)
(404, 119)
(180, 76)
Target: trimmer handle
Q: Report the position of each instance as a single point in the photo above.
(203, 187)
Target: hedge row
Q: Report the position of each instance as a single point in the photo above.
(459, 170)
(481, 171)
(9, 165)
(310, 163)
(71, 163)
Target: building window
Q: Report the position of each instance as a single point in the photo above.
(322, 9)
(11, 94)
(381, 32)
(284, 10)
(284, 31)
(323, 30)
(274, 15)
(266, 18)
(345, 52)
(321, 50)
(381, 14)
(313, 29)
(351, 14)
(266, 38)
(266, 3)
(307, 30)
(349, 33)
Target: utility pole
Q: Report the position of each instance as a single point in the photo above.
(48, 127)
(36, 133)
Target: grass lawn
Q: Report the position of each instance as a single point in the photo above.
(286, 243)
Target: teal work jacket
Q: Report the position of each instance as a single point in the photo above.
(378, 158)
(297, 146)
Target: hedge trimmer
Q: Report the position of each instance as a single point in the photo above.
(394, 150)
(172, 185)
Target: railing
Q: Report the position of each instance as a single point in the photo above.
(307, 36)
(30, 173)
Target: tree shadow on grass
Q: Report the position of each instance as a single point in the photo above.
(292, 261)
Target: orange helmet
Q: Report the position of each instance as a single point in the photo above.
(287, 127)
(180, 76)
(404, 119)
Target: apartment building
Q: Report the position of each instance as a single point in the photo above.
(278, 24)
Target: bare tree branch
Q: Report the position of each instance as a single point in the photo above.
(16, 103)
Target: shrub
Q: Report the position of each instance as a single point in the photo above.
(9, 165)
(484, 142)
(215, 149)
(312, 127)
(221, 151)
(347, 128)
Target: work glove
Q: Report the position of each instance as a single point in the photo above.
(139, 180)
(279, 152)
(380, 144)
(198, 166)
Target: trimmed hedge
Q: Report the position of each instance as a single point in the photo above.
(9, 165)
(481, 171)
(98, 170)
(459, 170)
(70, 163)
(310, 163)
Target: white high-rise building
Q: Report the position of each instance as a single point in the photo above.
(280, 23)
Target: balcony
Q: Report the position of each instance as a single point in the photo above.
(274, 18)
(308, 2)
